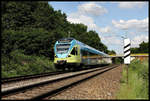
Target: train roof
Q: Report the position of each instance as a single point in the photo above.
(83, 46)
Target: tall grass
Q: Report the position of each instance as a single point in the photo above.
(18, 64)
(137, 87)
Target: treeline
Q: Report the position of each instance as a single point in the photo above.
(34, 27)
(143, 48)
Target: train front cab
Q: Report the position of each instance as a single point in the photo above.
(72, 61)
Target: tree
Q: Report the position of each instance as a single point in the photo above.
(143, 48)
(35, 27)
(134, 50)
(111, 52)
(17, 14)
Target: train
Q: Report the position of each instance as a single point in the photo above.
(71, 53)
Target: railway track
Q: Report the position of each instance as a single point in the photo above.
(20, 78)
(27, 77)
(50, 87)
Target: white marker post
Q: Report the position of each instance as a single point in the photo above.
(127, 46)
(127, 51)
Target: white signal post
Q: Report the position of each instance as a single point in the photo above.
(127, 46)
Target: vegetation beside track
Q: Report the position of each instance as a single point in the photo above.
(117, 60)
(137, 87)
(19, 64)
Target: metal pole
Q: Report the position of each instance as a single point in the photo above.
(127, 74)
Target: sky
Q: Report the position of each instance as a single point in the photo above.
(113, 21)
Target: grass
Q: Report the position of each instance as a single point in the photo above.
(19, 64)
(137, 87)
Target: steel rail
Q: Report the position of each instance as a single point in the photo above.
(12, 91)
(61, 89)
(25, 77)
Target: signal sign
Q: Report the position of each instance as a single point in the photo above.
(127, 51)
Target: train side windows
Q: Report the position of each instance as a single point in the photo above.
(84, 53)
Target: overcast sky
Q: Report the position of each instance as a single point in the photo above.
(110, 20)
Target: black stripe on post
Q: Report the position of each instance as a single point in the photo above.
(126, 51)
(127, 55)
(127, 46)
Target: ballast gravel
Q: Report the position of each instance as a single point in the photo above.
(28, 94)
(104, 86)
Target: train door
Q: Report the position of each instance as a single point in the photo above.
(78, 54)
(75, 53)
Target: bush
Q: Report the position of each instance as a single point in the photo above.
(18, 64)
(117, 60)
(137, 87)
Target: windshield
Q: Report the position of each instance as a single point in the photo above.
(62, 48)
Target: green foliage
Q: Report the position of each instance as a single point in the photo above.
(141, 68)
(35, 26)
(135, 50)
(29, 32)
(111, 52)
(18, 64)
(142, 49)
(117, 60)
(137, 87)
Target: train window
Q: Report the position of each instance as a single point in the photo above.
(91, 54)
(74, 51)
(62, 48)
(86, 53)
